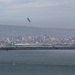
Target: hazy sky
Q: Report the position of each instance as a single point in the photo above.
(43, 13)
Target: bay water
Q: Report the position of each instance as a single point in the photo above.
(37, 62)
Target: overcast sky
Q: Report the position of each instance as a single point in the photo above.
(42, 13)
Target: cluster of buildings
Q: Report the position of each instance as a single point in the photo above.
(44, 40)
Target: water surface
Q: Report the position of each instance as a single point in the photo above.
(37, 62)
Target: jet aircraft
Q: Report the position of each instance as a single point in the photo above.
(28, 19)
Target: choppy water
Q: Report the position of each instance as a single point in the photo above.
(43, 62)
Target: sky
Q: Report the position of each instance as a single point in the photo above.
(42, 13)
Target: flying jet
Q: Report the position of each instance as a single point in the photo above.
(28, 19)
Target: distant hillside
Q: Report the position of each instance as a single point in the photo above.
(10, 30)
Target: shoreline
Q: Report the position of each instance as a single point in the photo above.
(37, 48)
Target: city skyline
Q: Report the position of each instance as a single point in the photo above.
(42, 13)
